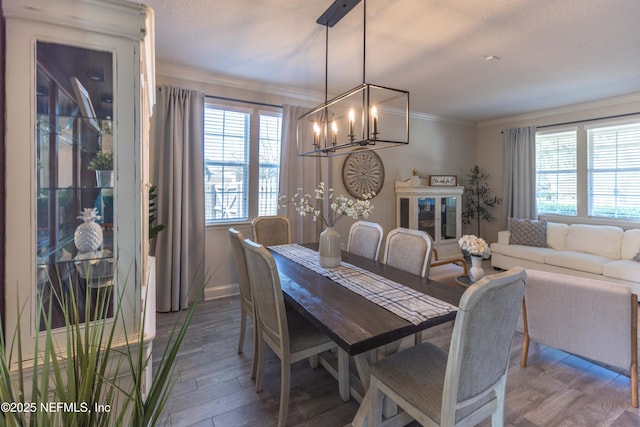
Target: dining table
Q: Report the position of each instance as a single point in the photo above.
(359, 325)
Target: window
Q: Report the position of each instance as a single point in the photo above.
(237, 187)
(556, 173)
(614, 171)
(269, 173)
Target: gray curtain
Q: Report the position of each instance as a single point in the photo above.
(519, 197)
(297, 172)
(178, 173)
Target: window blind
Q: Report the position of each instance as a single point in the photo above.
(226, 154)
(614, 171)
(269, 164)
(556, 173)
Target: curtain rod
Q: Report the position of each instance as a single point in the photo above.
(617, 116)
(224, 98)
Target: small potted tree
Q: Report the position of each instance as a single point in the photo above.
(102, 164)
(479, 200)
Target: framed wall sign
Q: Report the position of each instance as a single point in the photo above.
(443, 180)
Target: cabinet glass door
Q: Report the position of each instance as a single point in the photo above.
(448, 221)
(75, 256)
(427, 215)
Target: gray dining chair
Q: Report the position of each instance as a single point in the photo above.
(365, 239)
(247, 308)
(466, 385)
(408, 250)
(271, 230)
(291, 337)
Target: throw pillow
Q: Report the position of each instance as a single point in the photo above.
(637, 257)
(528, 232)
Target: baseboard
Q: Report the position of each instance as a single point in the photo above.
(221, 291)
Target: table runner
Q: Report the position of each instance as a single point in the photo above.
(403, 301)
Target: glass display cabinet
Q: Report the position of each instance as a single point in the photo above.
(436, 210)
(77, 172)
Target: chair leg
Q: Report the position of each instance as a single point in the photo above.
(260, 367)
(497, 417)
(254, 359)
(285, 384)
(314, 360)
(243, 326)
(375, 404)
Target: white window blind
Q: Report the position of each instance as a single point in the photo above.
(226, 157)
(556, 173)
(614, 171)
(269, 172)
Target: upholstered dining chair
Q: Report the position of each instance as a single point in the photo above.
(365, 239)
(466, 385)
(290, 336)
(457, 266)
(271, 230)
(246, 295)
(408, 250)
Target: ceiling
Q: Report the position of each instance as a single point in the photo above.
(552, 53)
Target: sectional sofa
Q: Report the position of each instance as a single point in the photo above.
(594, 251)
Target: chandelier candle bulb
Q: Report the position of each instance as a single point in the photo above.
(316, 135)
(352, 120)
(374, 118)
(334, 129)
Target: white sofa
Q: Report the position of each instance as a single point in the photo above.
(593, 251)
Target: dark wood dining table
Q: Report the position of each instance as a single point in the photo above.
(357, 325)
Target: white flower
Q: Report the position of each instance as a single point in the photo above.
(475, 245)
(340, 206)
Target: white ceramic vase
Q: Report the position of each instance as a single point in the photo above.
(476, 272)
(329, 250)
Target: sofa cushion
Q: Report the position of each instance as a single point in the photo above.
(630, 244)
(603, 240)
(557, 235)
(528, 232)
(622, 269)
(577, 261)
(530, 253)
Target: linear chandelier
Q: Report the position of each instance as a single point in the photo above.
(367, 117)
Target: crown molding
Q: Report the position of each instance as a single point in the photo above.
(177, 71)
(573, 108)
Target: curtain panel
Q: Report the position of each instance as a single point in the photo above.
(297, 175)
(178, 173)
(519, 195)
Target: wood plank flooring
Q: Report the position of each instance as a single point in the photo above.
(213, 387)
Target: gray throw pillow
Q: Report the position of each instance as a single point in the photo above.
(637, 257)
(528, 232)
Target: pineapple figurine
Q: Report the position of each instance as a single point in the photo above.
(88, 235)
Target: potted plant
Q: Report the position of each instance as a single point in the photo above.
(102, 164)
(479, 200)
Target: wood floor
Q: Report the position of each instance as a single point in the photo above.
(213, 387)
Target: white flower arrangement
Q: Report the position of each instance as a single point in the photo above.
(474, 245)
(340, 205)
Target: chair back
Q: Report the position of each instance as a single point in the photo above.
(237, 246)
(408, 250)
(267, 296)
(365, 239)
(481, 342)
(271, 230)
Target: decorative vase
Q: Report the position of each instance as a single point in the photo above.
(476, 272)
(88, 235)
(105, 178)
(330, 256)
